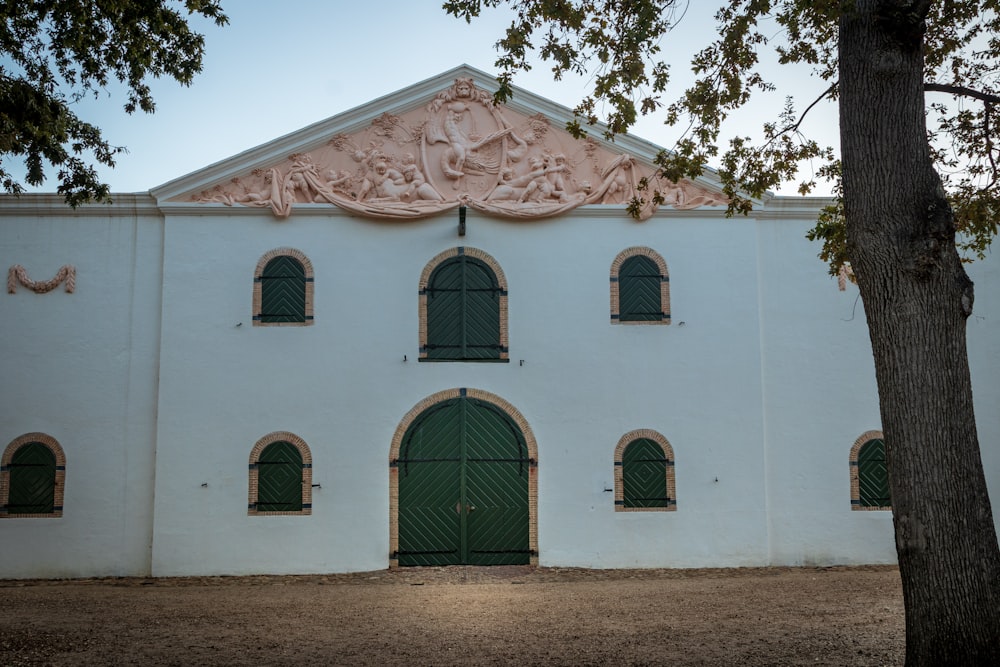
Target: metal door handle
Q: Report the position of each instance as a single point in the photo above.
(472, 508)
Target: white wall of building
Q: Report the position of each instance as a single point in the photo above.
(81, 368)
(983, 333)
(342, 385)
(157, 385)
(819, 380)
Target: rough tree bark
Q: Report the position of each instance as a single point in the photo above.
(917, 299)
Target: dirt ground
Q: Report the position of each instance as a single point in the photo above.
(463, 616)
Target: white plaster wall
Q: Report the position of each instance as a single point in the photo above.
(761, 391)
(820, 396)
(342, 385)
(983, 332)
(81, 368)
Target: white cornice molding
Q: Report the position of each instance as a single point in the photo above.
(50, 204)
(613, 212)
(794, 207)
(144, 204)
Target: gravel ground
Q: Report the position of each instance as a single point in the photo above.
(462, 616)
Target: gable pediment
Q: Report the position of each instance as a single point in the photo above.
(441, 144)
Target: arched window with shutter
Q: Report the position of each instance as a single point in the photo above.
(32, 477)
(870, 473)
(640, 288)
(644, 473)
(463, 308)
(280, 475)
(283, 289)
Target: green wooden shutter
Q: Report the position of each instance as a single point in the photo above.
(873, 475)
(32, 480)
(279, 478)
(482, 311)
(639, 290)
(283, 291)
(644, 474)
(463, 311)
(445, 314)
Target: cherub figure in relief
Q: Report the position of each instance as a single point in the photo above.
(416, 186)
(379, 184)
(458, 129)
(338, 181)
(557, 172)
(514, 188)
(686, 195)
(617, 182)
(540, 188)
(301, 177)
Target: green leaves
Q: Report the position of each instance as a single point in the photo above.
(626, 46)
(56, 52)
(617, 42)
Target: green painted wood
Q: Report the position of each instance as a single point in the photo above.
(644, 474)
(445, 310)
(482, 311)
(496, 487)
(429, 471)
(32, 480)
(279, 478)
(873, 475)
(463, 487)
(283, 291)
(639, 297)
(463, 311)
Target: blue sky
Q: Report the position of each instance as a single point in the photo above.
(279, 67)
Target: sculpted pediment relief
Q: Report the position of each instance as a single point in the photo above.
(459, 149)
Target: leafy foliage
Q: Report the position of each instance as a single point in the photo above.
(622, 43)
(56, 52)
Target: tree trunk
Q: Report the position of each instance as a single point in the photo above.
(917, 298)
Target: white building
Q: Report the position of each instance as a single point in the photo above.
(428, 331)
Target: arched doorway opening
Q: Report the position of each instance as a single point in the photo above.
(463, 483)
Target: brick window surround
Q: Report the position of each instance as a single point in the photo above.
(862, 440)
(307, 267)
(303, 448)
(616, 265)
(670, 481)
(60, 474)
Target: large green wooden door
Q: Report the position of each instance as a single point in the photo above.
(463, 487)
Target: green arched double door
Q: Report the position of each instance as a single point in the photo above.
(463, 472)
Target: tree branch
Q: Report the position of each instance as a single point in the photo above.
(989, 142)
(795, 127)
(963, 91)
(826, 93)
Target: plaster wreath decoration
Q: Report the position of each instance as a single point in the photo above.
(18, 274)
